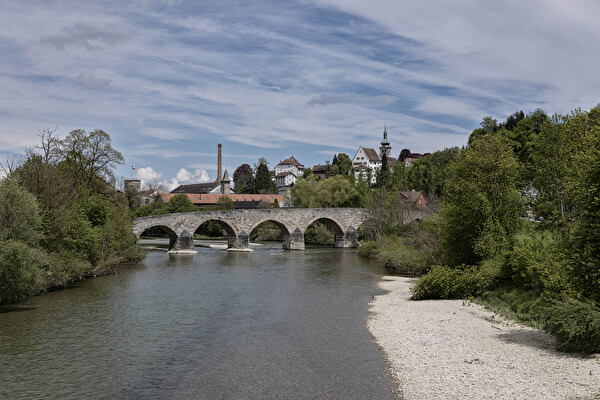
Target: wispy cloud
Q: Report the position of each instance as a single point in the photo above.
(169, 81)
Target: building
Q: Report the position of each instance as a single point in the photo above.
(240, 201)
(286, 173)
(414, 199)
(221, 187)
(320, 171)
(368, 160)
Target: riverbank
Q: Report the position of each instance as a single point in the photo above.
(453, 349)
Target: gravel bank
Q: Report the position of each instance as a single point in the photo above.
(450, 349)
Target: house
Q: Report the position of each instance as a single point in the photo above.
(221, 187)
(286, 173)
(414, 199)
(149, 196)
(320, 171)
(285, 179)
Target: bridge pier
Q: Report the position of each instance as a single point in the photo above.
(182, 244)
(294, 241)
(349, 239)
(241, 241)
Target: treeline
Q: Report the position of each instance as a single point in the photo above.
(61, 217)
(519, 225)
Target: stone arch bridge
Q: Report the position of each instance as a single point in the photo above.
(239, 223)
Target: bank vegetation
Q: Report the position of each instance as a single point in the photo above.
(61, 217)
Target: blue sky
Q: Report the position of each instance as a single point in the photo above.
(169, 80)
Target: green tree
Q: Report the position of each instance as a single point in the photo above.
(428, 174)
(301, 193)
(343, 164)
(180, 203)
(88, 155)
(481, 209)
(19, 271)
(19, 213)
(262, 182)
(583, 188)
(338, 191)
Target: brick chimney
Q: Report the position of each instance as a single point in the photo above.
(219, 164)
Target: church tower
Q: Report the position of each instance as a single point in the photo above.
(385, 147)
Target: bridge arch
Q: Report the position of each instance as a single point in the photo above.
(229, 230)
(166, 229)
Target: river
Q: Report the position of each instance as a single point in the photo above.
(214, 325)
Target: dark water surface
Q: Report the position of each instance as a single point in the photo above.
(216, 325)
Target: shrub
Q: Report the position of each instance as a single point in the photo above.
(575, 324)
(461, 282)
(401, 258)
(19, 271)
(368, 248)
(534, 263)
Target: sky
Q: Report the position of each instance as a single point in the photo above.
(169, 80)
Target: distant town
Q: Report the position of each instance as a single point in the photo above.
(365, 165)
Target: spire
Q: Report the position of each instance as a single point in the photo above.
(385, 142)
(225, 177)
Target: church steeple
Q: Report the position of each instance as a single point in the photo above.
(385, 144)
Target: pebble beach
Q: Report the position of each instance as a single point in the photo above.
(454, 349)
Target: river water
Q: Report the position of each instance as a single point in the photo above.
(267, 324)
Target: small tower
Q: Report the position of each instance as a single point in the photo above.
(385, 147)
(225, 184)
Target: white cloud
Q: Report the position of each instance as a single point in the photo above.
(184, 177)
(147, 174)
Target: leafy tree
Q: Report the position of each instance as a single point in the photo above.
(19, 213)
(583, 188)
(19, 271)
(243, 179)
(88, 155)
(427, 174)
(180, 203)
(481, 209)
(301, 193)
(343, 164)
(338, 191)
(404, 154)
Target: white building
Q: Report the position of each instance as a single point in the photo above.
(286, 173)
(368, 160)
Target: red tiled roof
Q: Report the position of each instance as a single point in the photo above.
(204, 199)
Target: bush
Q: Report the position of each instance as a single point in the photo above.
(19, 271)
(63, 269)
(368, 248)
(401, 258)
(534, 264)
(461, 282)
(575, 324)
